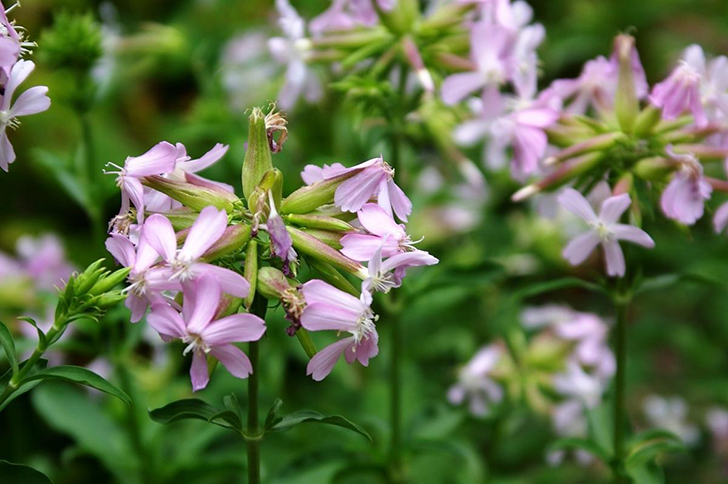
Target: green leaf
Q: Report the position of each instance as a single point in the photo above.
(580, 444)
(26, 386)
(20, 474)
(309, 416)
(650, 473)
(58, 167)
(601, 429)
(650, 444)
(6, 339)
(194, 408)
(41, 335)
(80, 375)
(232, 404)
(665, 281)
(273, 416)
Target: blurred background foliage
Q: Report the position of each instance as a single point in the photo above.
(168, 82)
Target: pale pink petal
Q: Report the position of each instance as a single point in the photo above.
(7, 153)
(613, 208)
(361, 247)
(159, 234)
(720, 219)
(235, 328)
(135, 191)
(32, 101)
(312, 174)
(323, 362)
(160, 159)
(316, 291)
(579, 248)
(457, 87)
(207, 229)
(137, 305)
(205, 297)
(20, 72)
(366, 349)
(206, 160)
(575, 203)
(400, 203)
(230, 281)
(352, 194)
(122, 249)
(614, 258)
(324, 316)
(199, 374)
(633, 234)
(376, 221)
(233, 358)
(166, 321)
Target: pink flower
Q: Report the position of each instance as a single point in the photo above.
(604, 230)
(32, 101)
(685, 195)
(335, 18)
(475, 383)
(490, 48)
(203, 334)
(720, 219)
(185, 262)
(10, 42)
(281, 242)
(522, 128)
(146, 283)
(680, 92)
(292, 50)
(329, 309)
(44, 259)
(387, 274)
(373, 179)
(383, 232)
(159, 160)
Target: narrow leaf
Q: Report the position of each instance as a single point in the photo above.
(26, 386)
(20, 474)
(273, 416)
(41, 334)
(308, 416)
(6, 339)
(193, 408)
(82, 376)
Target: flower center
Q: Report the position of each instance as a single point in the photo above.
(365, 326)
(181, 267)
(194, 342)
(603, 231)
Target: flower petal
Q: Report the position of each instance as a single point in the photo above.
(613, 208)
(235, 328)
(233, 358)
(614, 258)
(199, 375)
(633, 234)
(579, 248)
(207, 229)
(575, 203)
(323, 362)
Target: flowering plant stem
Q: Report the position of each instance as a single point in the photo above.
(253, 434)
(621, 302)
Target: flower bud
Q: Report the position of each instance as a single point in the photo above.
(258, 158)
(250, 271)
(313, 247)
(626, 104)
(566, 171)
(601, 142)
(234, 238)
(329, 274)
(109, 281)
(332, 239)
(647, 120)
(192, 196)
(108, 300)
(311, 197)
(322, 222)
(272, 283)
(86, 280)
(624, 185)
(181, 218)
(228, 305)
(655, 168)
(400, 17)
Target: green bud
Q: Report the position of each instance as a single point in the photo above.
(311, 197)
(108, 300)
(309, 245)
(322, 222)
(626, 104)
(88, 277)
(601, 142)
(332, 239)
(228, 305)
(655, 168)
(192, 196)
(258, 158)
(272, 283)
(329, 274)
(273, 181)
(181, 218)
(401, 18)
(647, 120)
(250, 272)
(109, 281)
(234, 238)
(565, 172)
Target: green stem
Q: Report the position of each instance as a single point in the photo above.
(622, 308)
(253, 435)
(304, 337)
(88, 174)
(395, 382)
(16, 381)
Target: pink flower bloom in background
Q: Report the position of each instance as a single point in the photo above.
(44, 260)
(671, 414)
(203, 334)
(159, 160)
(569, 421)
(382, 231)
(329, 309)
(522, 128)
(388, 273)
(185, 262)
(490, 48)
(475, 383)
(576, 383)
(292, 51)
(680, 92)
(685, 195)
(604, 230)
(716, 420)
(32, 101)
(335, 18)
(146, 283)
(720, 219)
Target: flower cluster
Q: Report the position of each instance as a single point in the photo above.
(198, 255)
(567, 353)
(13, 71)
